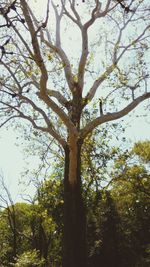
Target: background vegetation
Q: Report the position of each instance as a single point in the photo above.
(118, 214)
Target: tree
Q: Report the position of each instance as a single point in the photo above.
(130, 190)
(27, 227)
(107, 74)
(104, 233)
(10, 219)
(34, 230)
(118, 223)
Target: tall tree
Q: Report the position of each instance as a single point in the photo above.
(50, 84)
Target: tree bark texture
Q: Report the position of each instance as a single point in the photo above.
(74, 250)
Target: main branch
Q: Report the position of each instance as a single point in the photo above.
(112, 116)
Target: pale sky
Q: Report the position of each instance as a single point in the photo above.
(13, 163)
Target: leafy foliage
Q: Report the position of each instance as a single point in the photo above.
(118, 217)
(29, 259)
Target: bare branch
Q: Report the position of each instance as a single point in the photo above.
(97, 83)
(133, 42)
(13, 76)
(62, 100)
(37, 54)
(6, 121)
(44, 24)
(111, 68)
(77, 19)
(58, 49)
(49, 130)
(23, 41)
(84, 55)
(112, 116)
(58, 21)
(50, 127)
(97, 13)
(43, 96)
(59, 112)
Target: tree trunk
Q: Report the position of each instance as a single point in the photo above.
(74, 249)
